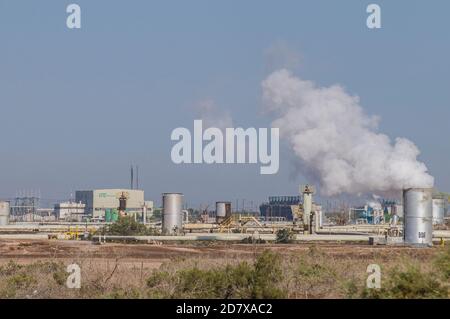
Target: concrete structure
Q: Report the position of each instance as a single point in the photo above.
(4, 213)
(70, 211)
(418, 228)
(318, 217)
(307, 192)
(172, 217)
(147, 211)
(98, 200)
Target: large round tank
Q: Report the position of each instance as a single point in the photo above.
(439, 208)
(223, 210)
(172, 217)
(418, 215)
(4, 213)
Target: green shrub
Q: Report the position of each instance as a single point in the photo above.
(60, 276)
(350, 288)
(316, 271)
(411, 283)
(285, 236)
(10, 268)
(19, 281)
(442, 263)
(126, 226)
(121, 293)
(312, 275)
(253, 240)
(244, 280)
(267, 272)
(157, 278)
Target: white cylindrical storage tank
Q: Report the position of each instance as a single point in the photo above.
(418, 216)
(4, 213)
(439, 207)
(172, 217)
(223, 210)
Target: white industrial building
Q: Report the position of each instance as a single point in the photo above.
(71, 211)
(149, 206)
(97, 201)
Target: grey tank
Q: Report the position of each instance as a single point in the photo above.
(172, 217)
(418, 227)
(223, 210)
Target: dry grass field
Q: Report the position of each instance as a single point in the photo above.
(37, 269)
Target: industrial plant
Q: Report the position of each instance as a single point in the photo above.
(226, 150)
(420, 218)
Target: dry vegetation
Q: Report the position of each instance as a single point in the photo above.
(268, 271)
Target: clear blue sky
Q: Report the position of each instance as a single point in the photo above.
(78, 106)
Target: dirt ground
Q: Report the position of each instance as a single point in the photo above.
(25, 251)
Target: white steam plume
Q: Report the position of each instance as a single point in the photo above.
(336, 141)
(212, 115)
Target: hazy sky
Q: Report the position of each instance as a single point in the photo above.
(78, 106)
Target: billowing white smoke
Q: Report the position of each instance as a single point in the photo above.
(339, 144)
(212, 115)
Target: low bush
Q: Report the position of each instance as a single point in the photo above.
(253, 240)
(126, 226)
(442, 263)
(244, 280)
(285, 236)
(411, 283)
(25, 281)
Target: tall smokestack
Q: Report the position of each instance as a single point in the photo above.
(131, 177)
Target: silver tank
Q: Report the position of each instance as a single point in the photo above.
(418, 227)
(4, 213)
(439, 208)
(223, 210)
(172, 217)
